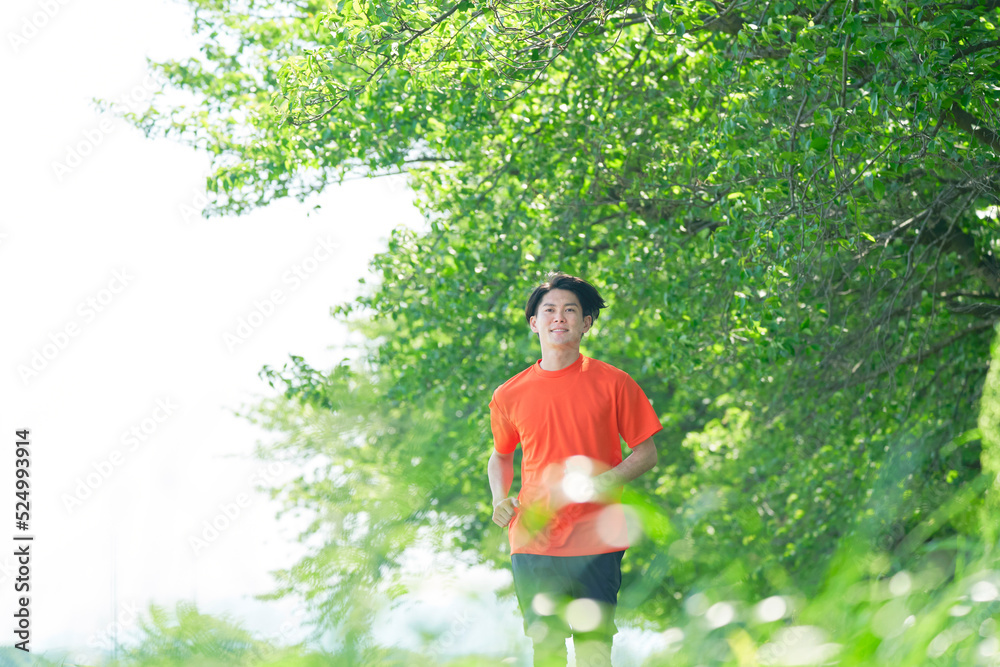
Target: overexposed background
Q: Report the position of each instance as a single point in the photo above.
(102, 238)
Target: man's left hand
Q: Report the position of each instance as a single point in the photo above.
(607, 486)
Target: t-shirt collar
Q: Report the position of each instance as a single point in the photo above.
(572, 368)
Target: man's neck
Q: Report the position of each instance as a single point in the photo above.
(558, 359)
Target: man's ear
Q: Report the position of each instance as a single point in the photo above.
(531, 323)
(588, 322)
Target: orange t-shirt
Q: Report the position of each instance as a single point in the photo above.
(568, 423)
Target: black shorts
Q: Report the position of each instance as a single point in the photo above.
(547, 587)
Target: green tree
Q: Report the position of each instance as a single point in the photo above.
(186, 636)
(793, 207)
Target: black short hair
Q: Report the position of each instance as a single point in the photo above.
(590, 301)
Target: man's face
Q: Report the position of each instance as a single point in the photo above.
(559, 320)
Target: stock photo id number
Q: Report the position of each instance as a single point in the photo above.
(22, 541)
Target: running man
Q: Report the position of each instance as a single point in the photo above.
(567, 533)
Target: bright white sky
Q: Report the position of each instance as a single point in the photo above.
(168, 288)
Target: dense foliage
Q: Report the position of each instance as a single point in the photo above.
(791, 207)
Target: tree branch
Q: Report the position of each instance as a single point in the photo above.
(974, 126)
(975, 49)
(924, 354)
(988, 311)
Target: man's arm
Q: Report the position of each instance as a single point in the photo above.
(641, 459)
(500, 470)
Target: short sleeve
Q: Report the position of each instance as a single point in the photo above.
(505, 436)
(637, 421)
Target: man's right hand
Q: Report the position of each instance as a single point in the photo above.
(504, 511)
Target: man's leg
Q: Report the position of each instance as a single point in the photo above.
(541, 587)
(593, 649)
(550, 651)
(598, 580)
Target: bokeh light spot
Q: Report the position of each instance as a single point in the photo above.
(720, 614)
(984, 591)
(771, 609)
(697, 604)
(900, 583)
(619, 526)
(543, 604)
(578, 487)
(583, 615)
